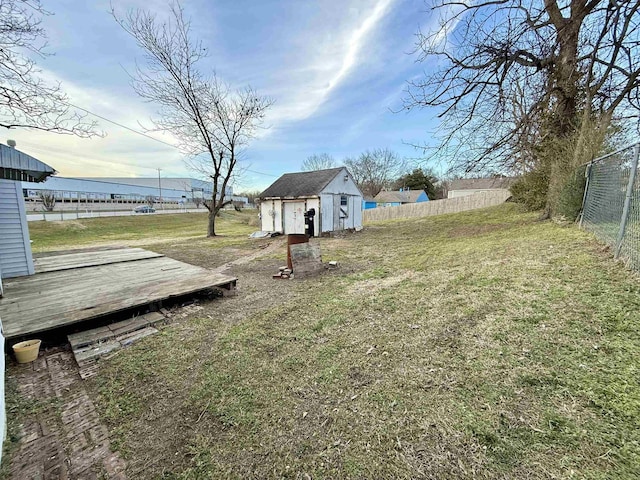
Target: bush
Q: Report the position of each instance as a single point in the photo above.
(531, 190)
(569, 201)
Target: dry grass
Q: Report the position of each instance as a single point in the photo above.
(140, 230)
(476, 345)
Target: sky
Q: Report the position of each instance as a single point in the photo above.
(335, 69)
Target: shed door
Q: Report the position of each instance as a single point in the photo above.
(340, 211)
(293, 217)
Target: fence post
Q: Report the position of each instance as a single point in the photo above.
(627, 200)
(587, 174)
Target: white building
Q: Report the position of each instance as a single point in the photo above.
(332, 193)
(133, 189)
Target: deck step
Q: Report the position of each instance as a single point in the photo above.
(90, 345)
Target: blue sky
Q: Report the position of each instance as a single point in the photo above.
(335, 68)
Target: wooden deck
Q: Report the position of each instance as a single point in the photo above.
(74, 287)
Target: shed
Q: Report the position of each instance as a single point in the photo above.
(333, 194)
(15, 248)
(400, 197)
(462, 187)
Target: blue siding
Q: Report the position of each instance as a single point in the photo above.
(423, 197)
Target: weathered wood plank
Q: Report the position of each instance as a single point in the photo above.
(82, 339)
(92, 352)
(52, 299)
(89, 259)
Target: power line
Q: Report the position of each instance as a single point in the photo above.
(121, 125)
(133, 130)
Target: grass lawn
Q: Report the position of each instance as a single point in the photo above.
(139, 229)
(477, 345)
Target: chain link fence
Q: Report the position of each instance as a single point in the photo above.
(611, 203)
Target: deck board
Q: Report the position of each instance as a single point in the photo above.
(61, 297)
(69, 261)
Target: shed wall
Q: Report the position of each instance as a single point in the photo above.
(269, 222)
(15, 248)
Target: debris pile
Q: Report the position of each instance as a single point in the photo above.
(284, 273)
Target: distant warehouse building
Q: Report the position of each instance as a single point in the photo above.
(126, 190)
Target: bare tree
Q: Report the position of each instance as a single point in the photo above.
(320, 161)
(197, 201)
(212, 123)
(26, 100)
(375, 169)
(48, 199)
(514, 77)
(150, 200)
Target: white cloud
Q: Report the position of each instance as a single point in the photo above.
(334, 54)
(119, 153)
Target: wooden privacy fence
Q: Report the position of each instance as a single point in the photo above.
(437, 207)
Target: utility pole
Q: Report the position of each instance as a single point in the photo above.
(160, 188)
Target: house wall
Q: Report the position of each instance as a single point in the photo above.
(464, 193)
(423, 197)
(3, 412)
(15, 248)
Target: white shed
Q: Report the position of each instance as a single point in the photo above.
(332, 193)
(15, 247)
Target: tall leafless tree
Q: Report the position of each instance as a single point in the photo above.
(48, 199)
(320, 161)
(26, 100)
(376, 169)
(212, 123)
(510, 76)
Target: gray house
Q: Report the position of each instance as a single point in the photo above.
(332, 193)
(15, 247)
(462, 187)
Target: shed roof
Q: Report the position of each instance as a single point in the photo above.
(301, 184)
(481, 183)
(16, 165)
(408, 196)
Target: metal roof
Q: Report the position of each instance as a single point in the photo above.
(301, 184)
(18, 166)
(481, 183)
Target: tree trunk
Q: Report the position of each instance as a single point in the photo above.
(211, 229)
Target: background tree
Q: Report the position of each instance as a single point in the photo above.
(527, 85)
(48, 199)
(150, 200)
(419, 179)
(26, 100)
(320, 161)
(375, 169)
(251, 195)
(212, 123)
